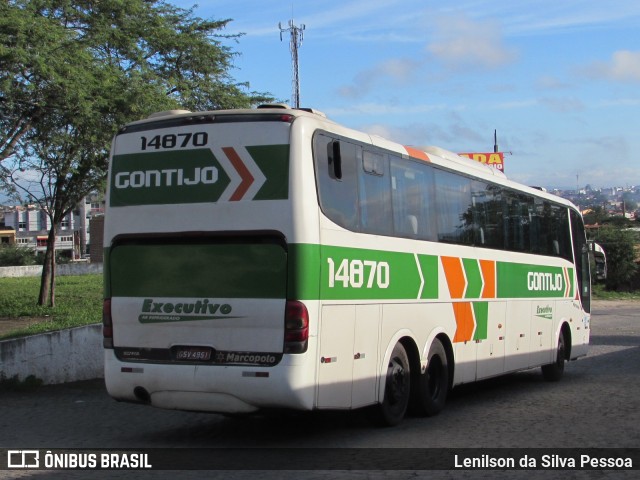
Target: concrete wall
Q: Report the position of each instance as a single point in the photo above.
(55, 357)
(80, 268)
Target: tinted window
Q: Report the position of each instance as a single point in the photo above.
(581, 255)
(375, 194)
(488, 211)
(454, 208)
(365, 189)
(337, 187)
(412, 190)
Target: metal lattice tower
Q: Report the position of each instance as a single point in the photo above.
(296, 34)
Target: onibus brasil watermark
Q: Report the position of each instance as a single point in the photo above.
(55, 460)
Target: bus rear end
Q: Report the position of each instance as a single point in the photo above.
(196, 313)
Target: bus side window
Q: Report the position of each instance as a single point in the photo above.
(336, 180)
(487, 215)
(560, 235)
(455, 208)
(375, 194)
(581, 260)
(412, 186)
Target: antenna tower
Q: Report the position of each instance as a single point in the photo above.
(296, 34)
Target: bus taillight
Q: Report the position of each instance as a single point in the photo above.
(296, 327)
(107, 324)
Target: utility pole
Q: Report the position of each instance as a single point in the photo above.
(296, 34)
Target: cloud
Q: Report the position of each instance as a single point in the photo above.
(458, 43)
(398, 70)
(548, 82)
(462, 43)
(562, 105)
(624, 66)
(452, 132)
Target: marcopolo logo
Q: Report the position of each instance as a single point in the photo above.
(156, 311)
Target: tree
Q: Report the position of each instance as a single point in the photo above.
(618, 245)
(596, 215)
(73, 71)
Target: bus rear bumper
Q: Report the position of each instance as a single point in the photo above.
(209, 388)
(201, 402)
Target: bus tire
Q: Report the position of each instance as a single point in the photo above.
(553, 372)
(430, 395)
(397, 389)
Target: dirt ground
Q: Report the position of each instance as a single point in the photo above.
(8, 324)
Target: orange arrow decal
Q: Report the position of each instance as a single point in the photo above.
(243, 171)
(462, 311)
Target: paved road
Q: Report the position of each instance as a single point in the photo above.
(595, 405)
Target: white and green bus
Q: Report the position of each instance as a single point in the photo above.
(271, 258)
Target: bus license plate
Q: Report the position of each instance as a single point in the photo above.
(197, 354)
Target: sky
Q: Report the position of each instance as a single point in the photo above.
(558, 79)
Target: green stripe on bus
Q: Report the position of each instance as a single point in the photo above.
(273, 161)
(312, 272)
(518, 280)
(167, 177)
(360, 274)
(474, 278)
(481, 311)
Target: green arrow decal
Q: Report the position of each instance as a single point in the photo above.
(273, 160)
(474, 278)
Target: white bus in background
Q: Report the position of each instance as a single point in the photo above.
(271, 258)
(598, 259)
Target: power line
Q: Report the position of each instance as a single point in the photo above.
(296, 35)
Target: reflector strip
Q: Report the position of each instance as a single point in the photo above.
(256, 374)
(132, 370)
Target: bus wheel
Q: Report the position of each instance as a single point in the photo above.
(553, 372)
(433, 385)
(396, 389)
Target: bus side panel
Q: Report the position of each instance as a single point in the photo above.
(491, 351)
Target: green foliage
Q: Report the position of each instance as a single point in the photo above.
(596, 215)
(79, 303)
(601, 293)
(618, 245)
(14, 256)
(617, 222)
(73, 71)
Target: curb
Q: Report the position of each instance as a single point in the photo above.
(55, 357)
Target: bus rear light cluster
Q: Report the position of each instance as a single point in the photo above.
(296, 327)
(107, 324)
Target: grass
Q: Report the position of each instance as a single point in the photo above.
(599, 293)
(78, 302)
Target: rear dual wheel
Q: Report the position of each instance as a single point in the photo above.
(430, 388)
(432, 385)
(397, 389)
